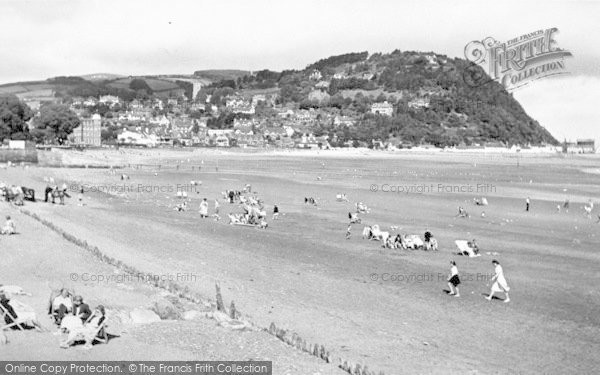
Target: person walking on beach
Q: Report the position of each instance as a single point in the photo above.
(217, 205)
(527, 204)
(204, 208)
(500, 284)
(453, 280)
(80, 197)
(275, 212)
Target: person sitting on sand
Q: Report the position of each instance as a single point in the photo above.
(181, 206)
(462, 212)
(88, 331)
(473, 245)
(9, 227)
(263, 224)
(61, 305)
(81, 313)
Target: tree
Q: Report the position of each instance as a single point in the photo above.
(14, 115)
(58, 121)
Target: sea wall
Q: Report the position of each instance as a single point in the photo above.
(18, 155)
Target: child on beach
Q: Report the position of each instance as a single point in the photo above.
(453, 280)
(9, 226)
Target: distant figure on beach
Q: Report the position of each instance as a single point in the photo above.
(80, 197)
(527, 204)
(566, 205)
(204, 208)
(348, 231)
(217, 205)
(275, 212)
(500, 284)
(453, 280)
(9, 227)
(462, 212)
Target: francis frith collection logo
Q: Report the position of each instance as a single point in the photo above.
(516, 62)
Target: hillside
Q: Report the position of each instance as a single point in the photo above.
(431, 101)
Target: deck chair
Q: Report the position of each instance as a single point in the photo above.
(465, 249)
(15, 321)
(101, 335)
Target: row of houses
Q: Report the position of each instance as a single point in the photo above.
(581, 146)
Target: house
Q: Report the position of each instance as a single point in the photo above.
(258, 98)
(90, 102)
(587, 146)
(309, 141)
(343, 120)
(581, 146)
(219, 132)
(385, 108)
(109, 100)
(250, 140)
(419, 103)
(136, 105)
(197, 107)
(136, 138)
(181, 127)
(285, 113)
(274, 133)
(368, 76)
(322, 85)
(288, 130)
(89, 132)
(160, 121)
(315, 75)
(222, 141)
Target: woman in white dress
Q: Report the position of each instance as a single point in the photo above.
(500, 284)
(204, 208)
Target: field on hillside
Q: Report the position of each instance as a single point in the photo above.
(382, 307)
(155, 84)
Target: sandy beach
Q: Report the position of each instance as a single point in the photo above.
(380, 307)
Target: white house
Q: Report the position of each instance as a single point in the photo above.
(384, 108)
(139, 139)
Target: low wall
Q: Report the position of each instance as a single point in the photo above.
(17, 155)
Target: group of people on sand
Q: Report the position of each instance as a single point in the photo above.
(75, 318)
(13, 193)
(53, 191)
(499, 282)
(71, 315)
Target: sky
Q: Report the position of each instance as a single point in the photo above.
(43, 38)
